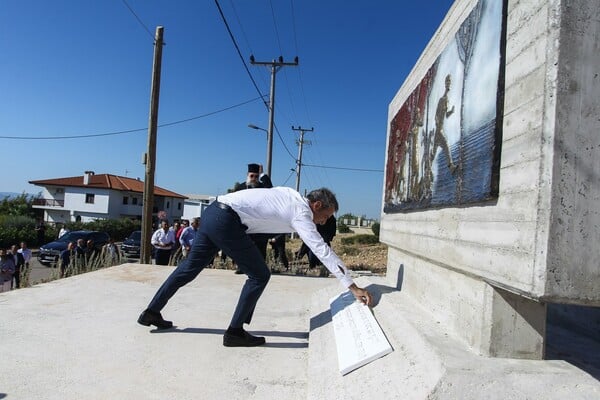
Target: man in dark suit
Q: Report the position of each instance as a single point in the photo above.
(255, 178)
(327, 231)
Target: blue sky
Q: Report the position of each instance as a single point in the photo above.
(83, 67)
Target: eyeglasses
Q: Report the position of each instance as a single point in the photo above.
(253, 175)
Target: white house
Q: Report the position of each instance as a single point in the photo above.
(105, 196)
(195, 204)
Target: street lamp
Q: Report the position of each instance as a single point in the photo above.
(256, 127)
(269, 146)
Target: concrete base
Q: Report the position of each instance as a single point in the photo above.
(77, 338)
(428, 361)
(492, 321)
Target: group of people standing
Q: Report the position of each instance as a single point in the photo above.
(14, 265)
(167, 240)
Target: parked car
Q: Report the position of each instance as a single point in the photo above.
(131, 246)
(50, 252)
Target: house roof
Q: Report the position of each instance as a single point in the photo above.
(106, 181)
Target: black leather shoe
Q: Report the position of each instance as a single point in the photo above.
(149, 317)
(245, 340)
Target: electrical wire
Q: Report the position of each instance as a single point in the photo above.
(138, 19)
(290, 97)
(288, 178)
(343, 168)
(299, 69)
(127, 131)
(239, 52)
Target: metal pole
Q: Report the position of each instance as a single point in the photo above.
(275, 65)
(299, 160)
(271, 118)
(150, 156)
(300, 146)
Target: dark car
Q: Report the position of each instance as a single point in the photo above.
(50, 252)
(131, 245)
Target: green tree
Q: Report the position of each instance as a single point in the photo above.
(22, 205)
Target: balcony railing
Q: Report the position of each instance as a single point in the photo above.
(48, 202)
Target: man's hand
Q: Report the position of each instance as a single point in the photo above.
(361, 294)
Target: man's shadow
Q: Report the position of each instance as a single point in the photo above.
(376, 290)
(220, 332)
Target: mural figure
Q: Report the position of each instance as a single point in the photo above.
(427, 178)
(399, 160)
(414, 155)
(439, 140)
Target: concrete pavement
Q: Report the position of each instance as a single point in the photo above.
(77, 338)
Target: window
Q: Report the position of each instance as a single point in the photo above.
(125, 200)
(168, 204)
(179, 206)
(89, 198)
(134, 201)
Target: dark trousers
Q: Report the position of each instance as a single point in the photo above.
(17, 278)
(279, 254)
(162, 256)
(221, 228)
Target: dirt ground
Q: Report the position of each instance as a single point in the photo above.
(371, 257)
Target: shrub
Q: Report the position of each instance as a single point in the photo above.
(15, 229)
(350, 251)
(343, 228)
(375, 228)
(360, 239)
(118, 229)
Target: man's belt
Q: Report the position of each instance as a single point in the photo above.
(223, 206)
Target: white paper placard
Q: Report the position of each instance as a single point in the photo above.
(358, 337)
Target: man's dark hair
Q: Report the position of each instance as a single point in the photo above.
(325, 196)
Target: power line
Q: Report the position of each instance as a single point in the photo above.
(343, 168)
(288, 178)
(298, 52)
(127, 131)
(139, 20)
(239, 52)
(275, 26)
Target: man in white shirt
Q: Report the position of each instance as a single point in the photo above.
(63, 230)
(163, 240)
(226, 224)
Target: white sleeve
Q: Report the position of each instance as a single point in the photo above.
(304, 225)
(154, 239)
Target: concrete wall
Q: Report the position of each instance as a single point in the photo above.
(538, 239)
(573, 255)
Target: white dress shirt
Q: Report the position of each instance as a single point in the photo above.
(283, 210)
(163, 238)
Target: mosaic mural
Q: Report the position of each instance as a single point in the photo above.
(444, 141)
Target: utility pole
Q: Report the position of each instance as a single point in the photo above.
(150, 156)
(275, 66)
(299, 160)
